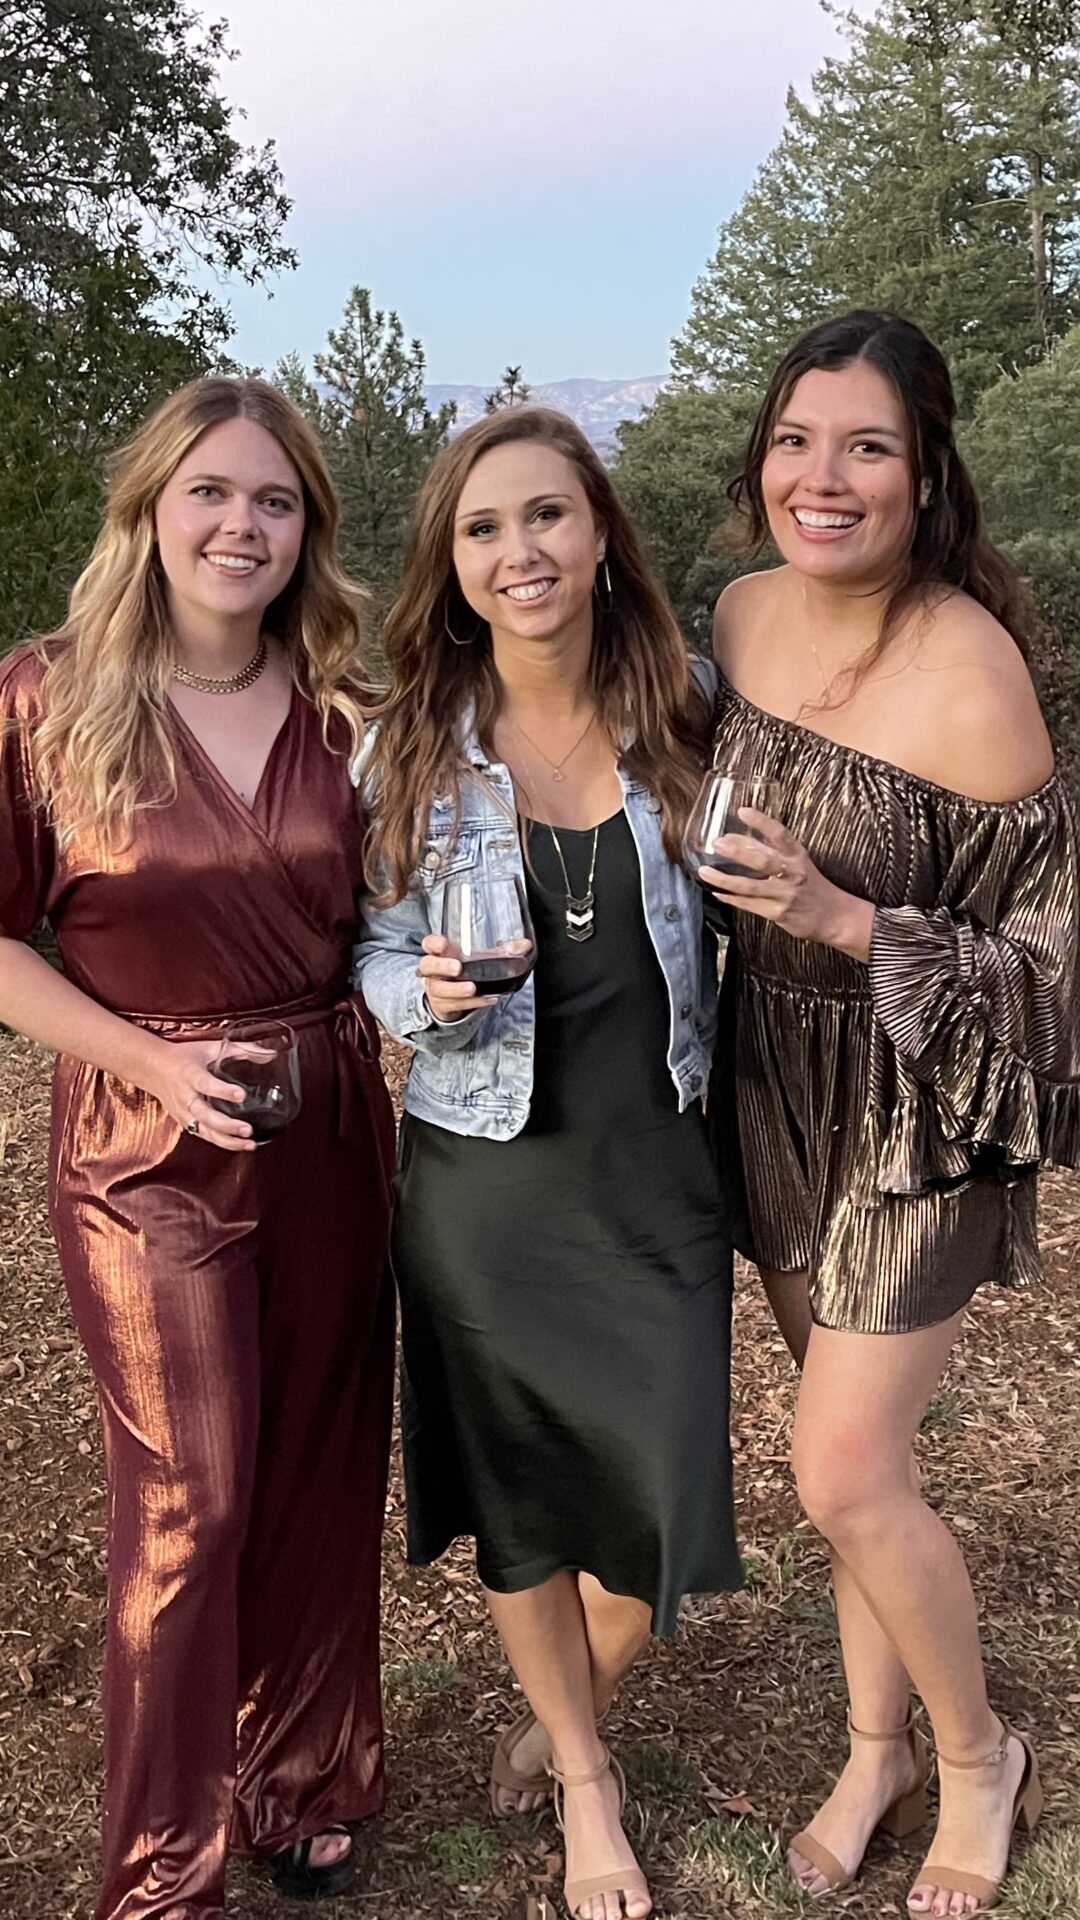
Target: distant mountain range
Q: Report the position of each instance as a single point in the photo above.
(596, 405)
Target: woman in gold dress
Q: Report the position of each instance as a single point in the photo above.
(906, 1040)
(175, 799)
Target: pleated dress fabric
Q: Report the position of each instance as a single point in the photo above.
(892, 1117)
(235, 1310)
(566, 1295)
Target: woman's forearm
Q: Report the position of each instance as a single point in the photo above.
(37, 1001)
(852, 930)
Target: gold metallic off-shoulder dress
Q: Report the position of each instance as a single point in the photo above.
(891, 1118)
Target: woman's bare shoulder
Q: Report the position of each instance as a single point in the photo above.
(987, 736)
(744, 603)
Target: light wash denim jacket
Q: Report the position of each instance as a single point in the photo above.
(475, 1075)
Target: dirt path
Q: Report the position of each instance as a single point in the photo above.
(728, 1734)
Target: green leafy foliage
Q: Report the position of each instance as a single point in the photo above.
(122, 181)
(117, 138)
(1024, 448)
(672, 471)
(75, 378)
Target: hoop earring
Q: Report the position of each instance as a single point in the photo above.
(451, 635)
(605, 603)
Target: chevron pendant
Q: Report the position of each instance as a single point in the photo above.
(580, 916)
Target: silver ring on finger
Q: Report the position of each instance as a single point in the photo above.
(192, 1126)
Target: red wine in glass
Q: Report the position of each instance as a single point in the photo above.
(715, 812)
(499, 971)
(489, 929)
(264, 1059)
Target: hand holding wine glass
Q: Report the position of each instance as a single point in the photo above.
(487, 946)
(718, 810)
(263, 1058)
(735, 845)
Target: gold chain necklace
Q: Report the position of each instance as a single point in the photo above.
(555, 765)
(825, 684)
(580, 910)
(231, 683)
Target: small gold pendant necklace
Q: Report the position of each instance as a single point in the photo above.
(825, 684)
(555, 765)
(231, 683)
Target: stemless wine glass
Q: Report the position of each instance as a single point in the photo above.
(262, 1057)
(716, 812)
(489, 928)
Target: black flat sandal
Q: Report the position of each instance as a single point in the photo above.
(292, 1872)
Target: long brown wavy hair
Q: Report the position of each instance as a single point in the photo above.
(639, 669)
(103, 747)
(949, 547)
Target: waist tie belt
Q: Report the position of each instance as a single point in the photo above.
(354, 1029)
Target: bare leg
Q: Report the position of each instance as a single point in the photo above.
(879, 1689)
(860, 1404)
(544, 1633)
(617, 1629)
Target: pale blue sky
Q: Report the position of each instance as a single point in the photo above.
(531, 183)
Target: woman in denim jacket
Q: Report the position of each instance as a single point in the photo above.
(561, 1254)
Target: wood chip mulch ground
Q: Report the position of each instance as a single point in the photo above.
(729, 1734)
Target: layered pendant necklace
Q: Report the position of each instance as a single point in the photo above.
(579, 912)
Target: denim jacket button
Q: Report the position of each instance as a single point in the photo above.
(653, 804)
(672, 913)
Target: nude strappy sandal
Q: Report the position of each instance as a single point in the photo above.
(1026, 1811)
(625, 1880)
(905, 1816)
(505, 1775)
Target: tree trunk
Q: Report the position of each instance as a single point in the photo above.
(1038, 254)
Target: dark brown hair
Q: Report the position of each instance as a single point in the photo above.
(950, 547)
(639, 668)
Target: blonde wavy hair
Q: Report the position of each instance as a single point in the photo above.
(103, 748)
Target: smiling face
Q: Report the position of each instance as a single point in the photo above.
(229, 524)
(837, 478)
(526, 545)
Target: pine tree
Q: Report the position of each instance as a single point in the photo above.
(367, 402)
(932, 170)
(512, 391)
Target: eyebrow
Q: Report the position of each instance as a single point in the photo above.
(490, 513)
(224, 480)
(889, 432)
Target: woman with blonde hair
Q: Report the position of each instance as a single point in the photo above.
(559, 1247)
(175, 800)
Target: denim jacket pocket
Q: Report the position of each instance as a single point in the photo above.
(443, 857)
